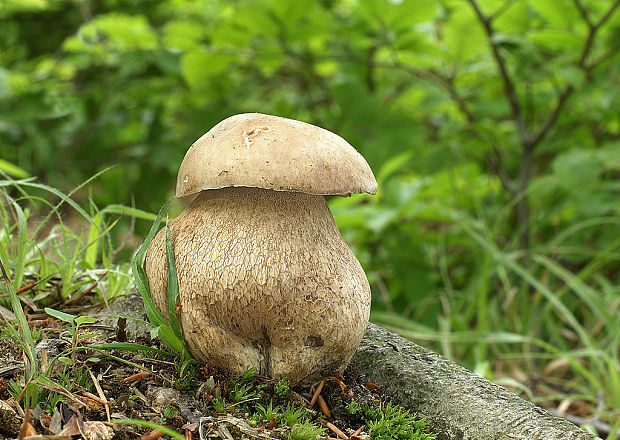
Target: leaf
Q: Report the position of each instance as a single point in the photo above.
(515, 20)
(161, 328)
(609, 156)
(66, 317)
(119, 31)
(393, 165)
(155, 317)
(25, 339)
(166, 334)
(94, 232)
(463, 22)
(560, 13)
(172, 433)
(85, 320)
(173, 285)
(199, 67)
(128, 346)
(20, 6)
(577, 171)
(557, 40)
(13, 170)
(183, 35)
(128, 211)
(572, 75)
(397, 14)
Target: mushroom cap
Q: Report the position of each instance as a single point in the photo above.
(270, 152)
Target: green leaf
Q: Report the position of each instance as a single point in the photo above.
(393, 165)
(173, 285)
(161, 327)
(128, 346)
(556, 12)
(25, 339)
(463, 22)
(397, 14)
(85, 320)
(94, 233)
(13, 170)
(172, 433)
(200, 67)
(119, 31)
(515, 20)
(66, 317)
(155, 317)
(20, 6)
(129, 212)
(65, 360)
(557, 40)
(577, 171)
(572, 75)
(167, 335)
(183, 35)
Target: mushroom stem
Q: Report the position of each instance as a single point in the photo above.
(265, 280)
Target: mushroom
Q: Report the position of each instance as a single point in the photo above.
(265, 278)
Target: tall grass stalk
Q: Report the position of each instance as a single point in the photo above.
(167, 329)
(24, 336)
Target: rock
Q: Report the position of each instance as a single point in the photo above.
(130, 306)
(9, 420)
(457, 403)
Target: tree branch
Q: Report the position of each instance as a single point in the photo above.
(436, 79)
(509, 87)
(544, 129)
(607, 15)
(503, 8)
(587, 48)
(495, 164)
(583, 12)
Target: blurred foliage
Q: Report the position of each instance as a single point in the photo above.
(497, 114)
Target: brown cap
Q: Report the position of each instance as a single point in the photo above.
(263, 151)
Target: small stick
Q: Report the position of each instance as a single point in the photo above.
(324, 407)
(358, 431)
(102, 396)
(316, 394)
(334, 429)
(153, 435)
(136, 376)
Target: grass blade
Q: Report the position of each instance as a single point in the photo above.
(155, 317)
(173, 284)
(25, 340)
(151, 425)
(129, 346)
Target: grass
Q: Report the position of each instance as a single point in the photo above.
(44, 248)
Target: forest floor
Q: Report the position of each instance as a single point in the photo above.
(85, 390)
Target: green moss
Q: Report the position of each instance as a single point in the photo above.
(282, 390)
(394, 423)
(305, 431)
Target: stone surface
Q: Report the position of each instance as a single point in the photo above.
(457, 403)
